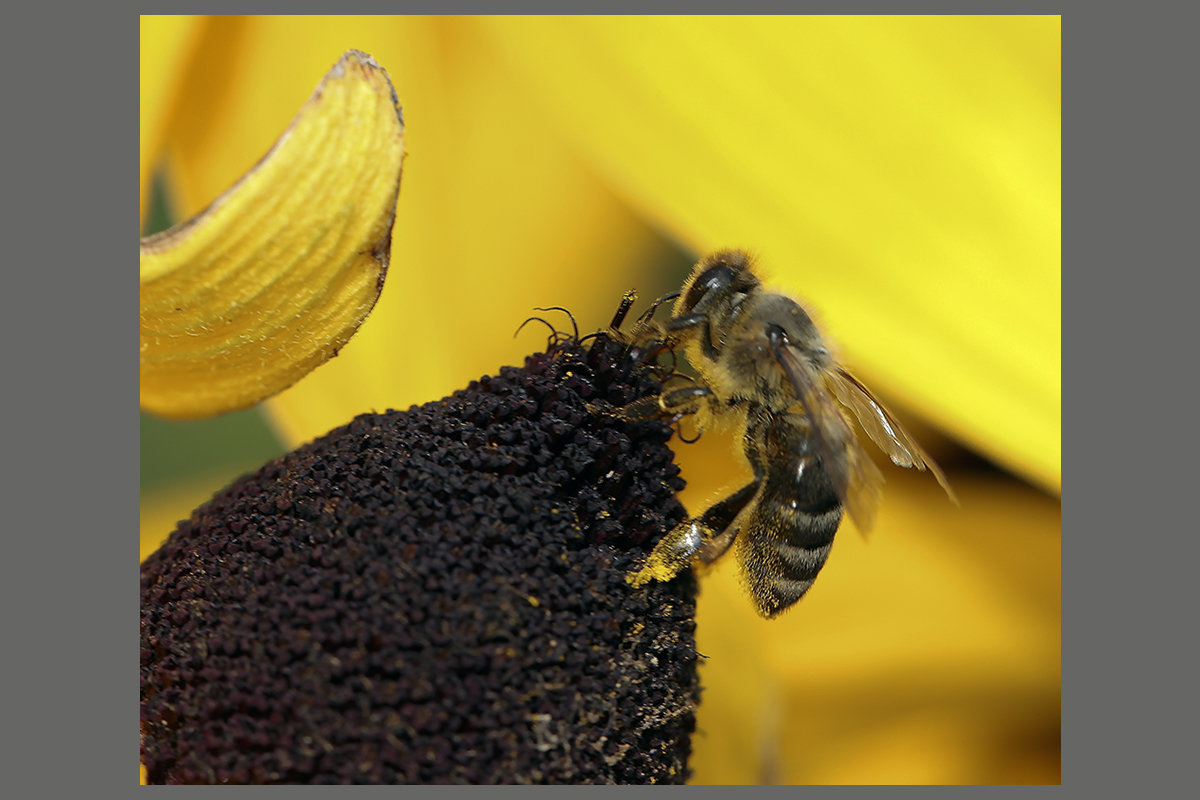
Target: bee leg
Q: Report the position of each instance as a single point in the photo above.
(645, 408)
(683, 401)
(719, 518)
(676, 404)
(677, 324)
(701, 539)
(682, 323)
(647, 347)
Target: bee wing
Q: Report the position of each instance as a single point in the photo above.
(856, 479)
(882, 427)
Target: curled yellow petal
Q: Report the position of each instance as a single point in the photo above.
(276, 275)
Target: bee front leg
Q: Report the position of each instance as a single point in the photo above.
(699, 322)
(702, 539)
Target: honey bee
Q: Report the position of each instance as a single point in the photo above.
(764, 368)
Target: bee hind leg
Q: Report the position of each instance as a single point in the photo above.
(702, 539)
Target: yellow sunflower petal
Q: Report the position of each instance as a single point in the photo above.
(899, 173)
(167, 44)
(507, 219)
(277, 274)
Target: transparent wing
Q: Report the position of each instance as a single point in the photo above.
(882, 427)
(855, 477)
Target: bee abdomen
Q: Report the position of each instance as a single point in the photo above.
(786, 551)
(801, 564)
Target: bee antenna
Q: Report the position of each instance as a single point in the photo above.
(645, 317)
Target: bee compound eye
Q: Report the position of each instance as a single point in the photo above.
(713, 279)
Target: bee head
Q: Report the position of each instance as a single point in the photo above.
(718, 285)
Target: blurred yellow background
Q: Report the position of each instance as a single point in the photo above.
(898, 174)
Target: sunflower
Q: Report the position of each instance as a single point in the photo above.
(900, 174)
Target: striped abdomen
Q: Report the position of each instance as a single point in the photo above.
(789, 528)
